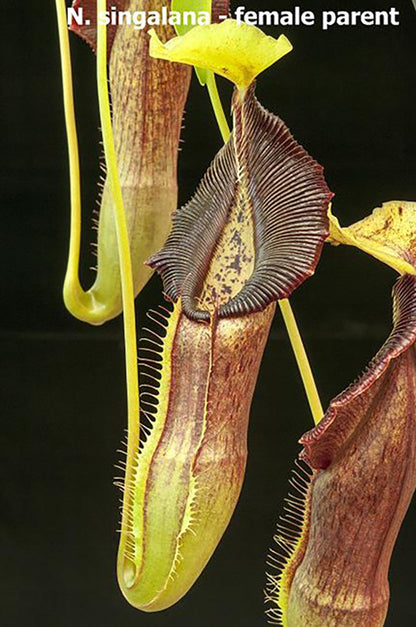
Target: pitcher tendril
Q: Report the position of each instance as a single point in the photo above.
(147, 166)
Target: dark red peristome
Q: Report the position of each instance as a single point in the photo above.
(323, 443)
(264, 173)
(88, 32)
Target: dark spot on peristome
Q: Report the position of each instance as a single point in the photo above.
(236, 264)
(236, 237)
(400, 210)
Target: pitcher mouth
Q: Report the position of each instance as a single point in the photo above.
(256, 226)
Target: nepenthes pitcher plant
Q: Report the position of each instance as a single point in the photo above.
(251, 234)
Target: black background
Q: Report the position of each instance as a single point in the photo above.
(348, 95)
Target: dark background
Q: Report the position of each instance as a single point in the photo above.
(348, 95)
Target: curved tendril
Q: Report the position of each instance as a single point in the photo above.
(82, 304)
(76, 299)
(292, 328)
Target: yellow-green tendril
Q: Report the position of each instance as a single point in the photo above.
(130, 339)
(82, 304)
(74, 296)
(302, 360)
(217, 106)
(284, 304)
